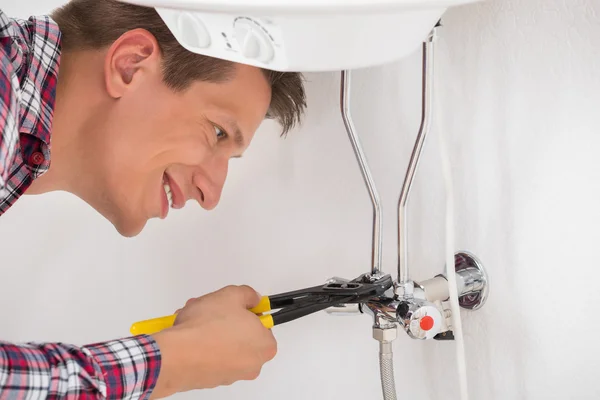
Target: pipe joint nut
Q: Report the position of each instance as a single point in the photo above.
(385, 334)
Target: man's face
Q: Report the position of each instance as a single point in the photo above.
(159, 148)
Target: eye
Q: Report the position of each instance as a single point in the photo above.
(221, 134)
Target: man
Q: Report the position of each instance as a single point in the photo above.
(100, 100)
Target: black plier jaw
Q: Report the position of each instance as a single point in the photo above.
(299, 303)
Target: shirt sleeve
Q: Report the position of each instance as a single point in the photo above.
(120, 369)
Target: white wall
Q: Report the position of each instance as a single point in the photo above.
(520, 88)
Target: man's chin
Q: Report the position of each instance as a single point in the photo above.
(127, 224)
(129, 229)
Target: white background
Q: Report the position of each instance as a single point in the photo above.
(520, 89)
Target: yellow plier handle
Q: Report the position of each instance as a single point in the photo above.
(154, 325)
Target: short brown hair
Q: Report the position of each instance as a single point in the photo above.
(95, 24)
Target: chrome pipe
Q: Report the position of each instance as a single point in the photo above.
(427, 102)
(366, 173)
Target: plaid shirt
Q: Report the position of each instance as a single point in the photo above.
(120, 369)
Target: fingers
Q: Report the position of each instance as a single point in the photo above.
(242, 295)
(251, 296)
(271, 349)
(219, 334)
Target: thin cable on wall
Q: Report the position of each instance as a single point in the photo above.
(449, 256)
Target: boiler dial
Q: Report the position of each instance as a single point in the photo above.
(254, 41)
(421, 320)
(192, 31)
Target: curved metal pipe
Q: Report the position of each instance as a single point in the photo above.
(366, 172)
(427, 102)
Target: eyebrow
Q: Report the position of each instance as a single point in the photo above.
(238, 137)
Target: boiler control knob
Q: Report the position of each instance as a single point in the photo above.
(192, 31)
(421, 320)
(254, 42)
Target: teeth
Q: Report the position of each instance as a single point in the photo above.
(169, 194)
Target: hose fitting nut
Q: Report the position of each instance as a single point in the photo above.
(385, 334)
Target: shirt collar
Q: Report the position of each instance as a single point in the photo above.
(40, 48)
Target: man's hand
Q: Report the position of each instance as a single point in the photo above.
(215, 341)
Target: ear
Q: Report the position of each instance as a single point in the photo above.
(130, 59)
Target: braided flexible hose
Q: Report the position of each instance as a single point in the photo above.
(386, 366)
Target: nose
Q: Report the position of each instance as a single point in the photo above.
(210, 180)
